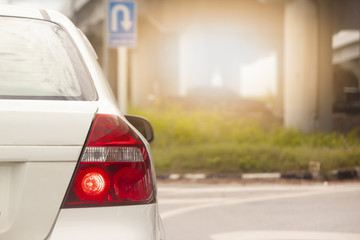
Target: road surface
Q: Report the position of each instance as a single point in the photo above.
(234, 211)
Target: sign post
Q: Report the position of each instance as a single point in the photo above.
(122, 35)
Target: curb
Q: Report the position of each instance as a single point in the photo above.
(340, 174)
(345, 174)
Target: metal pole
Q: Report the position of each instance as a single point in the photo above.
(122, 79)
(105, 56)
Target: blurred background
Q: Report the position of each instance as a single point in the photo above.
(255, 106)
(237, 86)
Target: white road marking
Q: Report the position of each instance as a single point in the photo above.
(193, 200)
(224, 189)
(284, 235)
(196, 207)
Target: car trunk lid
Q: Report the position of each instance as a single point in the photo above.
(40, 144)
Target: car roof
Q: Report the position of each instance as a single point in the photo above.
(34, 13)
(8, 10)
(38, 14)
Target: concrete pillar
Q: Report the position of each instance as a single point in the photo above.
(300, 64)
(325, 78)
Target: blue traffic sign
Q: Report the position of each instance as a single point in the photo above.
(121, 23)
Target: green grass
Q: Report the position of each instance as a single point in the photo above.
(212, 142)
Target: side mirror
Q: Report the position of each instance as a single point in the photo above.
(142, 125)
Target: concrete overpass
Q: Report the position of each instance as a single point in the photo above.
(299, 31)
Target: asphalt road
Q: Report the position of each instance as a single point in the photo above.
(235, 211)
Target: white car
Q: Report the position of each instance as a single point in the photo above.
(71, 165)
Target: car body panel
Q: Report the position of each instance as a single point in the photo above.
(107, 223)
(40, 144)
(21, 154)
(45, 123)
(31, 195)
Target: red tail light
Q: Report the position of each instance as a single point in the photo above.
(114, 169)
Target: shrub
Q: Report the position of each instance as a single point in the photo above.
(213, 142)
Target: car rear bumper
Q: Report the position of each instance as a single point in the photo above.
(125, 222)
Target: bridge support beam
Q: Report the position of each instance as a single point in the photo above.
(307, 65)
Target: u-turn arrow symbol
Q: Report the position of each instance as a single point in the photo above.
(125, 23)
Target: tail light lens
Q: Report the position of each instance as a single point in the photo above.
(114, 169)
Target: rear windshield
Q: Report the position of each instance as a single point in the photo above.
(38, 60)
